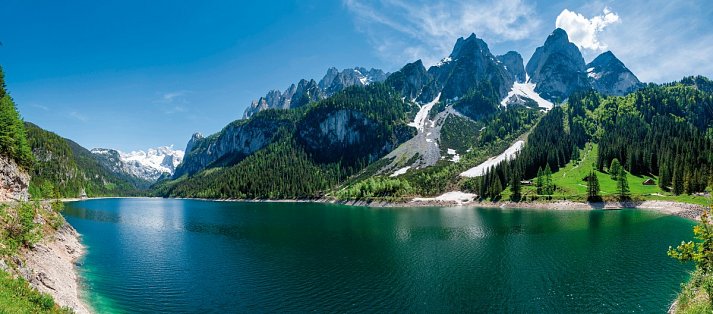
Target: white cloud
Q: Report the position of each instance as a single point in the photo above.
(584, 32)
(405, 31)
(173, 102)
(78, 116)
(664, 44)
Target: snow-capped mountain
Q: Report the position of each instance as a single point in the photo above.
(147, 165)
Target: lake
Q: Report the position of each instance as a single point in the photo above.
(166, 255)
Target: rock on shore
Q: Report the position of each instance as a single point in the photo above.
(50, 268)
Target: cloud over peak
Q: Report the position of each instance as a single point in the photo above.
(582, 31)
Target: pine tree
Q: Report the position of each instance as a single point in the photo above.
(575, 153)
(496, 190)
(677, 181)
(515, 185)
(614, 169)
(688, 182)
(622, 184)
(540, 181)
(548, 185)
(593, 187)
(664, 178)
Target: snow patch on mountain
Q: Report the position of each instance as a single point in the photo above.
(481, 169)
(526, 90)
(148, 165)
(420, 121)
(163, 159)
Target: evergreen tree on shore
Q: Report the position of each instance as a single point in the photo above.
(622, 185)
(13, 140)
(593, 187)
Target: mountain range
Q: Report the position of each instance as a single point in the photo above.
(472, 121)
(148, 166)
(465, 79)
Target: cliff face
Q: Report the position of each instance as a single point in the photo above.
(14, 181)
(236, 141)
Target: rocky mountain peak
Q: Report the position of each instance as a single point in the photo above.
(514, 64)
(192, 142)
(557, 68)
(610, 76)
(470, 45)
(469, 66)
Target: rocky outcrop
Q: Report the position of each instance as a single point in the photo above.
(610, 76)
(469, 66)
(307, 91)
(14, 181)
(557, 68)
(235, 142)
(349, 77)
(512, 61)
(347, 136)
(411, 81)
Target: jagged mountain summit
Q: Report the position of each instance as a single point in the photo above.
(469, 66)
(557, 68)
(147, 165)
(307, 91)
(467, 88)
(610, 76)
(513, 63)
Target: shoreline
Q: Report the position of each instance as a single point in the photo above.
(50, 266)
(680, 209)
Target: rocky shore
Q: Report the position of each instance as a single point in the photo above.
(685, 210)
(50, 267)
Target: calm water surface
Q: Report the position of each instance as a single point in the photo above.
(156, 255)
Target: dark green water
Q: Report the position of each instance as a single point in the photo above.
(154, 255)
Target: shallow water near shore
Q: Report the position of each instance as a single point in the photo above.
(167, 255)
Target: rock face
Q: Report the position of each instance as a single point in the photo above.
(513, 63)
(411, 80)
(235, 142)
(557, 68)
(350, 133)
(470, 65)
(307, 91)
(610, 76)
(14, 181)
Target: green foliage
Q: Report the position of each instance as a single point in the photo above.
(13, 141)
(376, 187)
(622, 185)
(593, 188)
(615, 169)
(20, 228)
(65, 169)
(515, 186)
(281, 170)
(16, 296)
(480, 102)
(699, 252)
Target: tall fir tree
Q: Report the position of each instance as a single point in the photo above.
(614, 169)
(622, 185)
(593, 187)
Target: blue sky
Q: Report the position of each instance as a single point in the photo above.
(138, 74)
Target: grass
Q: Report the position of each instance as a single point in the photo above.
(693, 298)
(16, 296)
(18, 228)
(571, 186)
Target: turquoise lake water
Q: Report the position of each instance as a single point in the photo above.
(191, 256)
